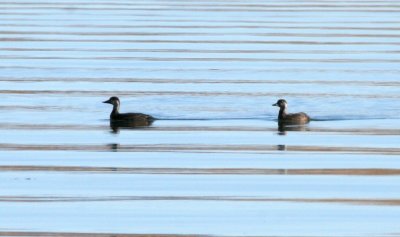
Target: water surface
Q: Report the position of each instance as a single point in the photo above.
(215, 162)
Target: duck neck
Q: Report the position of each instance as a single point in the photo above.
(115, 110)
(282, 112)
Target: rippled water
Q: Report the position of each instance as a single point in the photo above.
(215, 162)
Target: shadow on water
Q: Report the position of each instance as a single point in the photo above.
(116, 126)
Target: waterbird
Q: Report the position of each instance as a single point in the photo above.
(289, 119)
(127, 119)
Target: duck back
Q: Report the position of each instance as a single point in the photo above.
(131, 117)
(295, 118)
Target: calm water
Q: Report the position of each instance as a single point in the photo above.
(214, 163)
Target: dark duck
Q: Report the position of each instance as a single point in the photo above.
(290, 119)
(118, 119)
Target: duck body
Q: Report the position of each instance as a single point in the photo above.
(287, 118)
(137, 119)
(130, 117)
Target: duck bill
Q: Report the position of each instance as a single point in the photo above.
(107, 102)
(275, 104)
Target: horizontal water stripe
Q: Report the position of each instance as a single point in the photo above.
(76, 234)
(188, 24)
(23, 48)
(350, 131)
(390, 202)
(193, 171)
(224, 81)
(26, 79)
(165, 35)
(204, 148)
(204, 41)
(77, 9)
(191, 93)
(190, 27)
(237, 73)
(287, 160)
(177, 4)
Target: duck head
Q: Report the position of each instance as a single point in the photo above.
(113, 100)
(281, 103)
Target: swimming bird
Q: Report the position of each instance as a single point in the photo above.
(134, 119)
(285, 118)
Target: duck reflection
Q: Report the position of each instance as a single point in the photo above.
(284, 127)
(281, 147)
(117, 125)
(113, 147)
